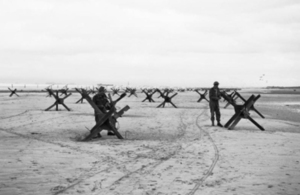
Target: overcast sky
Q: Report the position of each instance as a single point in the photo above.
(155, 42)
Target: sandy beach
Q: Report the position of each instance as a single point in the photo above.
(165, 150)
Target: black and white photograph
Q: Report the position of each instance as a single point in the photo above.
(140, 97)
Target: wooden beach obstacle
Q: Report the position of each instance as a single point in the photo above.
(92, 90)
(232, 96)
(63, 91)
(149, 94)
(252, 106)
(58, 100)
(13, 92)
(115, 91)
(202, 95)
(165, 91)
(241, 111)
(49, 92)
(167, 99)
(80, 91)
(132, 91)
(107, 120)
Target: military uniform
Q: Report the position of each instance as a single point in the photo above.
(101, 101)
(214, 97)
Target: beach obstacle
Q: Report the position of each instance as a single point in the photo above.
(64, 91)
(58, 100)
(92, 90)
(232, 96)
(167, 99)
(82, 95)
(149, 90)
(115, 91)
(49, 92)
(252, 106)
(165, 91)
(202, 95)
(132, 91)
(149, 95)
(107, 120)
(241, 111)
(13, 92)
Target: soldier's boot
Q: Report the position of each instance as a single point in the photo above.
(219, 124)
(110, 133)
(212, 123)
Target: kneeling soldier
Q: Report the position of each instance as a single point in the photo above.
(101, 100)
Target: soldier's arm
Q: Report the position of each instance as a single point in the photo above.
(211, 94)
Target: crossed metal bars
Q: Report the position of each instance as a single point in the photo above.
(13, 92)
(252, 106)
(81, 93)
(148, 95)
(232, 96)
(132, 91)
(58, 100)
(115, 91)
(167, 99)
(202, 96)
(242, 111)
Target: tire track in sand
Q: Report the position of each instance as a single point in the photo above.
(216, 157)
(2, 118)
(136, 174)
(149, 168)
(134, 178)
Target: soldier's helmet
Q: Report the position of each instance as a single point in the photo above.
(216, 83)
(101, 89)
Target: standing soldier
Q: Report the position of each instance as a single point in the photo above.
(214, 97)
(101, 100)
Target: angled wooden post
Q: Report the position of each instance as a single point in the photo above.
(132, 91)
(58, 100)
(231, 96)
(241, 112)
(82, 97)
(167, 99)
(202, 96)
(148, 95)
(115, 91)
(13, 92)
(252, 107)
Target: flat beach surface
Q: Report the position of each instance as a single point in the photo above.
(165, 150)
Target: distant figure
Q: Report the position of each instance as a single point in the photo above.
(101, 100)
(214, 97)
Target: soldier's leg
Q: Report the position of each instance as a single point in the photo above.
(212, 112)
(218, 115)
(97, 118)
(110, 131)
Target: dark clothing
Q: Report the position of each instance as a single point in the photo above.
(101, 101)
(214, 96)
